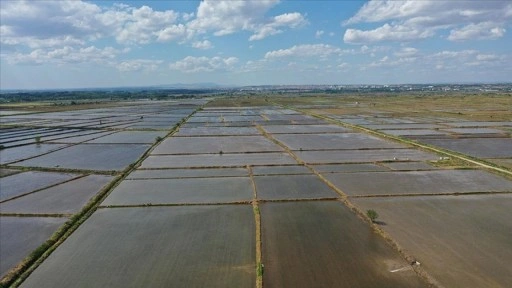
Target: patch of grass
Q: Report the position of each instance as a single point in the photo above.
(372, 214)
(260, 269)
(446, 162)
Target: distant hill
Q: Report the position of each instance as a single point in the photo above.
(205, 85)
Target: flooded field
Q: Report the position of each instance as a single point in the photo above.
(119, 157)
(124, 240)
(21, 235)
(419, 182)
(211, 144)
(172, 191)
(23, 183)
(220, 192)
(66, 198)
(292, 187)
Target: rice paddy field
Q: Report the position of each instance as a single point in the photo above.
(259, 192)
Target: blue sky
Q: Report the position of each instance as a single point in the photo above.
(80, 44)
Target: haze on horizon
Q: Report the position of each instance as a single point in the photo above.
(85, 44)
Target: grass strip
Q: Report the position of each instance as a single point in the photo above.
(257, 221)
(50, 215)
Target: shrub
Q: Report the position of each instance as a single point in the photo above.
(372, 214)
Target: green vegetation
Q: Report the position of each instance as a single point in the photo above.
(260, 269)
(372, 214)
(37, 139)
(66, 98)
(451, 162)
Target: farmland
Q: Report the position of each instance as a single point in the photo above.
(259, 192)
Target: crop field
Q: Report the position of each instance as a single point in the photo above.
(336, 141)
(119, 155)
(28, 151)
(21, 235)
(156, 247)
(419, 182)
(464, 241)
(283, 170)
(258, 192)
(23, 183)
(477, 147)
(217, 160)
(172, 191)
(304, 129)
(65, 198)
(278, 187)
(304, 240)
(212, 144)
(363, 156)
(57, 165)
(187, 173)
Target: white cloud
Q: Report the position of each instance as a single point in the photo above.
(457, 61)
(386, 33)
(66, 54)
(343, 66)
(204, 45)
(454, 54)
(406, 52)
(59, 23)
(480, 31)
(172, 32)
(138, 65)
(290, 20)
(411, 20)
(319, 33)
(227, 17)
(305, 50)
(187, 16)
(486, 57)
(192, 64)
(138, 25)
(33, 42)
(43, 24)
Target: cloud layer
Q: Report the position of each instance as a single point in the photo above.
(412, 20)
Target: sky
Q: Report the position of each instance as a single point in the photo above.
(85, 44)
